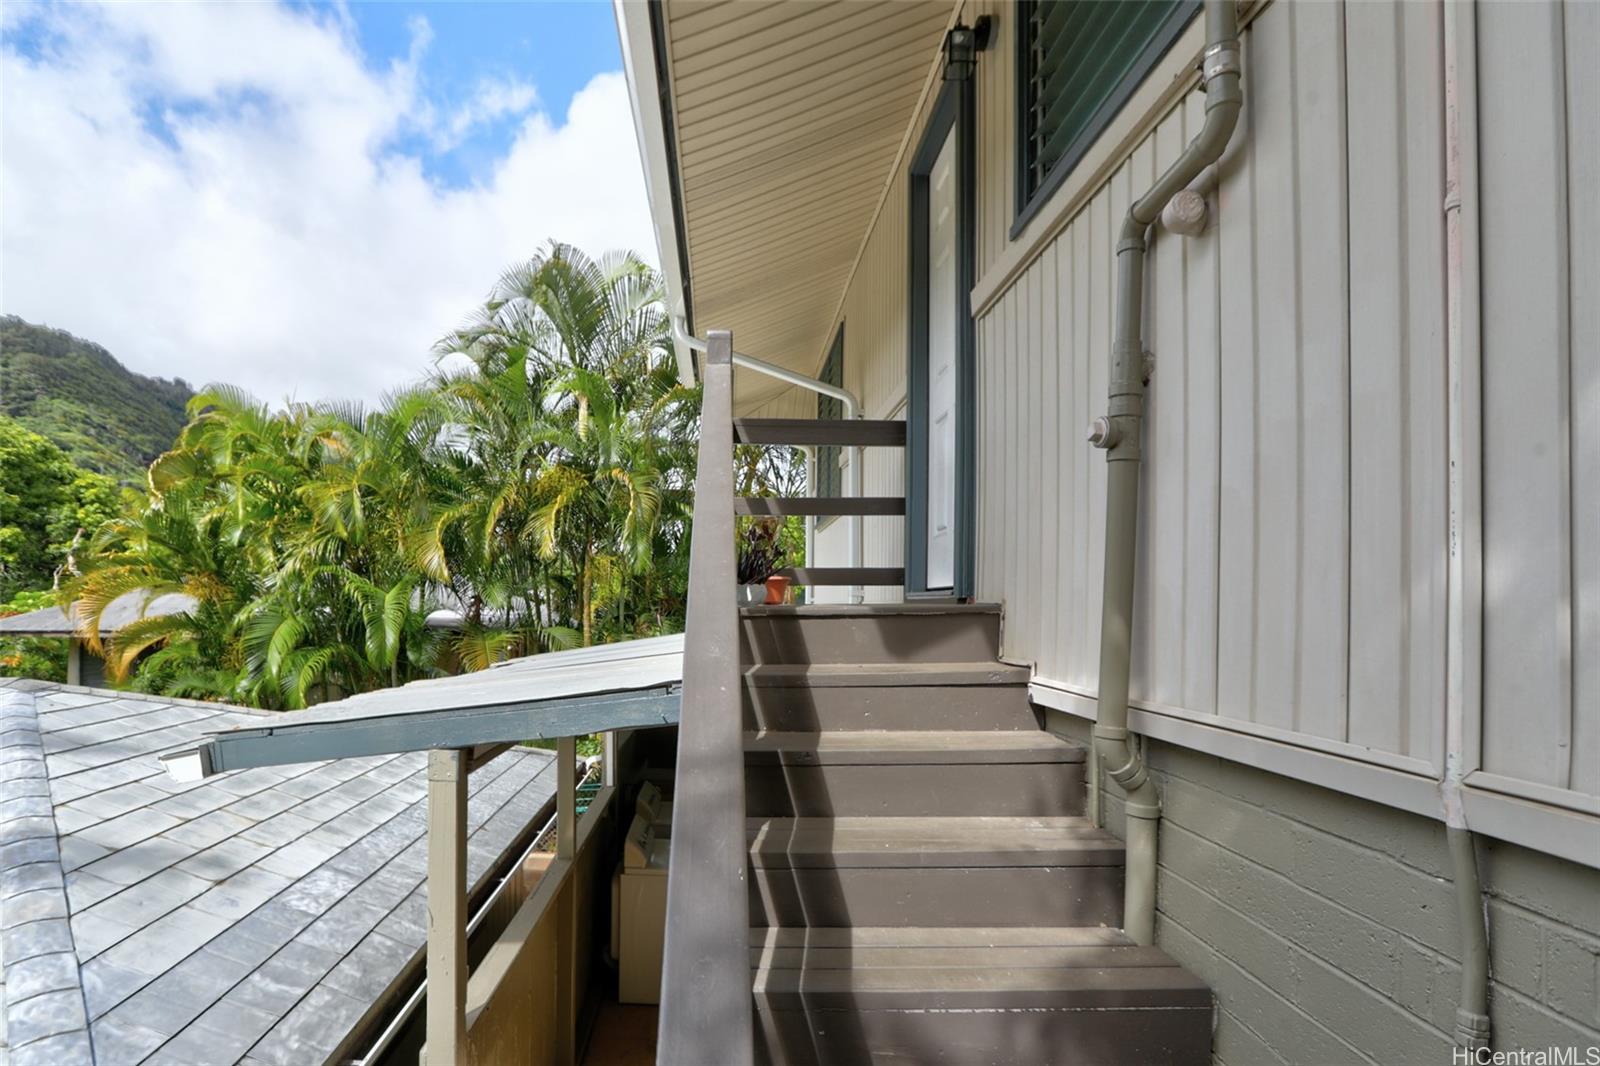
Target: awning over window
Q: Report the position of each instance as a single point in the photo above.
(629, 685)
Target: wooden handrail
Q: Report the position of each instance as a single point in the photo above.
(836, 432)
(780, 506)
(844, 575)
(705, 971)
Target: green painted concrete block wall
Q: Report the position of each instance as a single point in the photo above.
(1326, 924)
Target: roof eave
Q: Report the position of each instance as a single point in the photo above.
(651, 123)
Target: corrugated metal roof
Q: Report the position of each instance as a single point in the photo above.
(259, 916)
(129, 607)
(631, 684)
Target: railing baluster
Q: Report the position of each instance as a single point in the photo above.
(705, 972)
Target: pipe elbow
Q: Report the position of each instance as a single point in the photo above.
(681, 334)
(1223, 104)
(1222, 117)
(1129, 771)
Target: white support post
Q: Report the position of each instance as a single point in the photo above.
(447, 908)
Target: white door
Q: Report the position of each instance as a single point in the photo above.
(943, 314)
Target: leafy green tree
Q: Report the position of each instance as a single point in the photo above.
(44, 658)
(45, 504)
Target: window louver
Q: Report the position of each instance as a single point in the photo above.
(1078, 61)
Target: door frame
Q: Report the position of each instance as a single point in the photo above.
(953, 109)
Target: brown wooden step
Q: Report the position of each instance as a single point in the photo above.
(763, 938)
(933, 871)
(926, 747)
(974, 995)
(921, 772)
(799, 843)
(869, 633)
(884, 696)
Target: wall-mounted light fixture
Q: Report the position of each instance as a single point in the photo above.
(961, 47)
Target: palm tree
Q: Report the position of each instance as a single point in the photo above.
(598, 499)
(569, 405)
(177, 543)
(540, 485)
(566, 310)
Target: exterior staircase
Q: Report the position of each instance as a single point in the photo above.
(923, 885)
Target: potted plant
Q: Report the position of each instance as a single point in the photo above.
(758, 558)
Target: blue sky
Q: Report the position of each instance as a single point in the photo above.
(557, 47)
(301, 197)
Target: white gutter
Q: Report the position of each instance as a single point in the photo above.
(639, 65)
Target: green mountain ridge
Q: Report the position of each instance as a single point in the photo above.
(74, 393)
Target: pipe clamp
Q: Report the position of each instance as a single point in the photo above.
(1472, 1029)
(1219, 59)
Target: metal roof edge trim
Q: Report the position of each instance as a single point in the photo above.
(287, 744)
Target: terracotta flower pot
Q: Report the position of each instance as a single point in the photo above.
(777, 589)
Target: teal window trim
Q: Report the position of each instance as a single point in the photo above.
(1100, 58)
(830, 475)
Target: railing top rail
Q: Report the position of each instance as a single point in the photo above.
(705, 973)
(835, 432)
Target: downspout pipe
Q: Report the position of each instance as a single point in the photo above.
(1118, 433)
(1472, 1010)
(852, 409)
(1472, 1030)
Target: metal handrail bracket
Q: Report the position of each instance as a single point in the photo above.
(705, 973)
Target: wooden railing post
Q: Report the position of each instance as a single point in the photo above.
(447, 908)
(567, 905)
(705, 973)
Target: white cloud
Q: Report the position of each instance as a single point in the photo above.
(493, 100)
(270, 240)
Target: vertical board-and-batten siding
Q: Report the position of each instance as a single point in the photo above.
(1293, 525)
(1539, 110)
(1294, 530)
